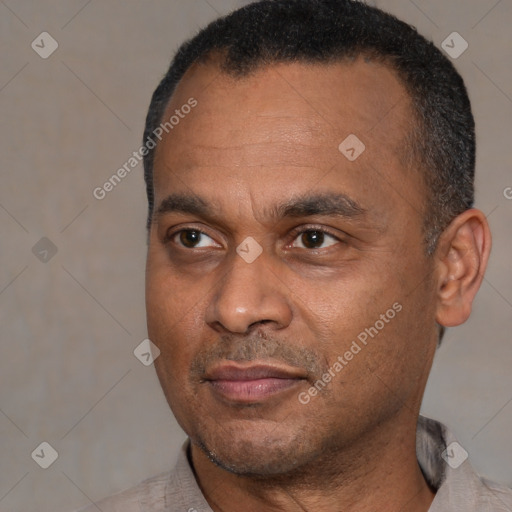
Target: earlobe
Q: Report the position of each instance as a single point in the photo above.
(462, 256)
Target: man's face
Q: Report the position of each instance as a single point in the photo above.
(333, 285)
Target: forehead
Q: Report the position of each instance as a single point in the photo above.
(287, 117)
(353, 93)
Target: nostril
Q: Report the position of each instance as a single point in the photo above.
(259, 323)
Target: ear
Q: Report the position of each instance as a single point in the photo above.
(462, 255)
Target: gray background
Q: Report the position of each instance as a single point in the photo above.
(69, 325)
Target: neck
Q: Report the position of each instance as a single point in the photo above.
(379, 472)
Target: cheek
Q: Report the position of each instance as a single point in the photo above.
(175, 319)
(174, 325)
(368, 319)
(168, 299)
(341, 307)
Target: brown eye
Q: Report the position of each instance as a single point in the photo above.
(314, 239)
(190, 238)
(193, 239)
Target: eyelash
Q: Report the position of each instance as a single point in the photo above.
(301, 230)
(168, 238)
(295, 233)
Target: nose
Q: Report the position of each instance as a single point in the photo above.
(249, 294)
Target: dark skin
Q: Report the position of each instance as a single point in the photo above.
(341, 242)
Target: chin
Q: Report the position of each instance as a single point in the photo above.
(271, 454)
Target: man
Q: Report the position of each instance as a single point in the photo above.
(309, 171)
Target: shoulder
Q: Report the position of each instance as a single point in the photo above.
(496, 496)
(173, 491)
(446, 466)
(149, 493)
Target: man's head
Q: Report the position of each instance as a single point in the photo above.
(309, 230)
(440, 143)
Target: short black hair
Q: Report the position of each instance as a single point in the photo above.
(442, 139)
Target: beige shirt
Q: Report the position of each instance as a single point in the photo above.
(442, 460)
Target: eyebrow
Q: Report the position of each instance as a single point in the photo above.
(330, 204)
(327, 204)
(185, 204)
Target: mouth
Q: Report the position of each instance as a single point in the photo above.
(254, 383)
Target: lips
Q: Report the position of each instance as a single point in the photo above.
(251, 384)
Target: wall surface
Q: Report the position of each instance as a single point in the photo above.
(72, 266)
